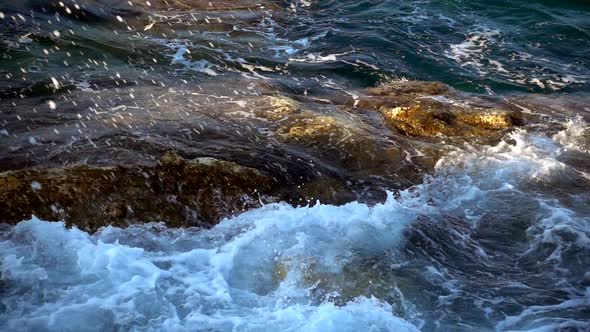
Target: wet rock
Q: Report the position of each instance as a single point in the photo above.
(177, 191)
(220, 4)
(428, 109)
(354, 147)
(401, 93)
(405, 88)
(316, 150)
(23, 88)
(103, 10)
(423, 121)
(196, 5)
(415, 121)
(327, 191)
(491, 119)
(86, 10)
(321, 128)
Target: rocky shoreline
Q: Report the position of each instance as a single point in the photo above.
(141, 141)
(221, 156)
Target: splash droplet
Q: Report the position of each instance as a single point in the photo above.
(35, 185)
(55, 83)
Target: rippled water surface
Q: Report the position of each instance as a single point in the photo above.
(497, 46)
(486, 236)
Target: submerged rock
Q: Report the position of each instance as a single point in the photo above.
(400, 93)
(177, 191)
(368, 277)
(326, 190)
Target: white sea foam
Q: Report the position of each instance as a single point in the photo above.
(202, 65)
(474, 50)
(214, 279)
(576, 135)
(318, 58)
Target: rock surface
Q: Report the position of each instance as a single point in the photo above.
(427, 109)
(177, 191)
(424, 121)
(350, 144)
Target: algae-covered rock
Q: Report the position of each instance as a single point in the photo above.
(321, 128)
(490, 119)
(427, 109)
(323, 151)
(177, 191)
(406, 88)
(422, 121)
(352, 146)
(415, 121)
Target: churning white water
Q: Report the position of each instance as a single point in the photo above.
(263, 270)
(150, 278)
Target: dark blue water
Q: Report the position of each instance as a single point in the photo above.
(482, 46)
(541, 46)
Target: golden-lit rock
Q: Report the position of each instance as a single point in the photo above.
(323, 129)
(428, 109)
(405, 88)
(421, 121)
(415, 121)
(490, 119)
(350, 146)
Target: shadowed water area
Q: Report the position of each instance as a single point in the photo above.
(294, 165)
